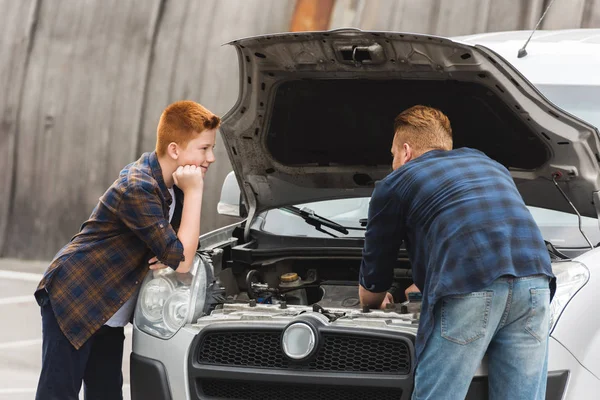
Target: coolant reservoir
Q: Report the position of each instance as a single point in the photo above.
(291, 280)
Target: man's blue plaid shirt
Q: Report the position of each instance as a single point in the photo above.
(464, 225)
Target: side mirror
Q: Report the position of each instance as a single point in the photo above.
(231, 202)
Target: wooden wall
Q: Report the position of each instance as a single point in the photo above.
(462, 17)
(83, 84)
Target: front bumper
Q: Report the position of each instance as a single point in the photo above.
(239, 362)
(148, 379)
(183, 373)
(168, 369)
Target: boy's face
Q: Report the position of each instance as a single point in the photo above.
(199, 151)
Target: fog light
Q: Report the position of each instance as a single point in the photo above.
(298, 341)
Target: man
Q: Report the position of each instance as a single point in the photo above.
(88, 293)
(477, 256)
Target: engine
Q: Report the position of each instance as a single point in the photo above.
(328, 283)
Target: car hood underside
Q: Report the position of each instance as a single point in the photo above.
(314, 118)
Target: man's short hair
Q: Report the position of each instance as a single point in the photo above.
(424, 128)
(180, 122)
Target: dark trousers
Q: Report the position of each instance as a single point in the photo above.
(97, 363)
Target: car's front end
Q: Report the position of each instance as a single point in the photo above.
(271, 307)
(334, 349)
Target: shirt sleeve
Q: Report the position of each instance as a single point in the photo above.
(383, 238)
(141, 211)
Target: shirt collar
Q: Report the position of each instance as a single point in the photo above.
(158, 176)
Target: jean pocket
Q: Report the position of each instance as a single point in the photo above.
(538, 320)
(465, 317)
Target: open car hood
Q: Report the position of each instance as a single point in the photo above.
(314, 117)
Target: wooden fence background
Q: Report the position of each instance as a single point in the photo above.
(83, 84)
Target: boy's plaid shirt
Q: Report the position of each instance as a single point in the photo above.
(104, 264)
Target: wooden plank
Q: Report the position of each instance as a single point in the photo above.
(345, 13)
(442, 17)
(79, 118)
(377, 15)
(591, 14)
(17, 28)
(564, 14)
(190, 63)
(509, 15)
(462, 17)
(532, 12)
(311, 15)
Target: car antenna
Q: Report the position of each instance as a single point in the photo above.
(556, 176)
(522, 51)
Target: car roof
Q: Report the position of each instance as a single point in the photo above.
(554, 57)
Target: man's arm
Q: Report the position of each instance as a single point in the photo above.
(382, 242)
(374, 300)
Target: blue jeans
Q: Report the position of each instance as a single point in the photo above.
(97, 363)
(510, 321)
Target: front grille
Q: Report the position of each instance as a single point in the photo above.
(235, 390)
(339, 352)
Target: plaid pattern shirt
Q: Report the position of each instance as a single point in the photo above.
(464, 225)
(103, 265)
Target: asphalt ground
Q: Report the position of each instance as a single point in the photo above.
(21, 331)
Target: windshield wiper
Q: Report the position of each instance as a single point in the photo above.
(317, 221)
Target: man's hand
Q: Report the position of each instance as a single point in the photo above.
(374, 300)
(388, 299)
(411, 289)
(189, 178)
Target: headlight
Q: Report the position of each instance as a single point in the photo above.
(176, 309)
(153, 297)
(570, 277)
(168, 300)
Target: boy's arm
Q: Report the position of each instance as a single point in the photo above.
(189, 179)
(142, 211)
(189, 229)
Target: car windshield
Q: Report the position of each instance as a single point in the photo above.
(560, 229)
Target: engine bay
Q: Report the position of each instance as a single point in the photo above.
(318, 281)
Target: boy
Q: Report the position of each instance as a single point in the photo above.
(89, 291)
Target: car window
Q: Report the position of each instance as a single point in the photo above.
(559, 228)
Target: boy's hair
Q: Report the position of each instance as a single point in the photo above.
(424, 128)
(180, 122)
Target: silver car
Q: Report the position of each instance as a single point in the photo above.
(271, 308)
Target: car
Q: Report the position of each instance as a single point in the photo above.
(271, 310)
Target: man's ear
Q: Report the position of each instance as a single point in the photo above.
(173, 150)
(408, 152)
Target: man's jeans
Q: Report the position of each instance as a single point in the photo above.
(97, 363)
(509, 321)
